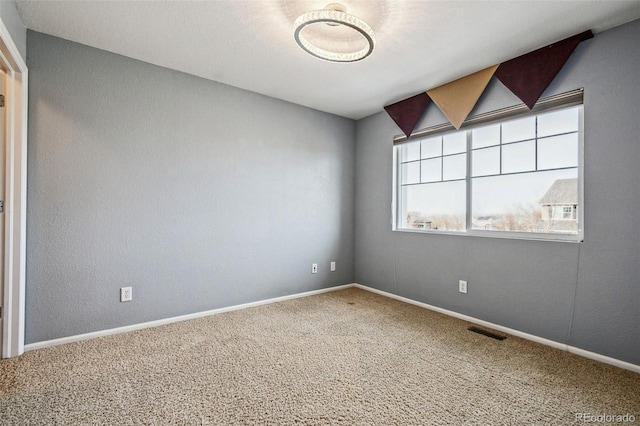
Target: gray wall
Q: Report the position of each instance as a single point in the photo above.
(197, 194)
(586, 295)
(14, 24)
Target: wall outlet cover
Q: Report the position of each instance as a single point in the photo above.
(126, 294)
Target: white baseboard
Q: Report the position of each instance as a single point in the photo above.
(577, 351)
(571, 349)
(134, 327)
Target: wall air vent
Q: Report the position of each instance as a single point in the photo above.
(486, 333)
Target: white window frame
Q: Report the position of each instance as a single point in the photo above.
(556, 102)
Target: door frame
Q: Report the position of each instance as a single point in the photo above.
(15, 200)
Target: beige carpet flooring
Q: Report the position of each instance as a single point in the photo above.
(348, 358)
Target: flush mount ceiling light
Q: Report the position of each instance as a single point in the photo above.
(334, 35)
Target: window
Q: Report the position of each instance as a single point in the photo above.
(569, 212)
(515, 175)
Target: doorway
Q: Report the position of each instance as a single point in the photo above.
(3, 138)
(13, 193)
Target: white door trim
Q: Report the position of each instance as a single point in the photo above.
(15, 201)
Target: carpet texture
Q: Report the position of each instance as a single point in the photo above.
(348, 357)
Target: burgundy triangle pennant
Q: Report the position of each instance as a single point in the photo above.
(408, 112)
(528, 76)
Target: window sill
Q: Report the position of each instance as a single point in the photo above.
(559, 238)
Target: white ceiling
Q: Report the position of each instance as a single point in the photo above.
(249, 43)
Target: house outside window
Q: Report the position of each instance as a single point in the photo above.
(518, 176)
(560, 203)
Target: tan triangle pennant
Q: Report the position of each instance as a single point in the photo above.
(457, 99)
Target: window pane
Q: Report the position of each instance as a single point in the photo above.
(485, 136)
(558, 151)
(485, 161)
(557, 122)
(455, 143)
(519, 130)
(410, 173)
(454, 167)
(432, 147)
(523, 202)
(438, 206)
(432, 170)
(519, 157)
(524, 178)
(410, 151)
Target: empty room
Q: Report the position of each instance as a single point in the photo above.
(381, 212)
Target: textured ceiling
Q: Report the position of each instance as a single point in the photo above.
(249, 44)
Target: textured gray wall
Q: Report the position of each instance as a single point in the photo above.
(197, 194)
(14, 24)
(532, 286)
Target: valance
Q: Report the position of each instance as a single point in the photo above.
(527, 76)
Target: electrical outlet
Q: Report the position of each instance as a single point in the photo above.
(462, 286)
(126, 294)
(333, 266)
(314, 268)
